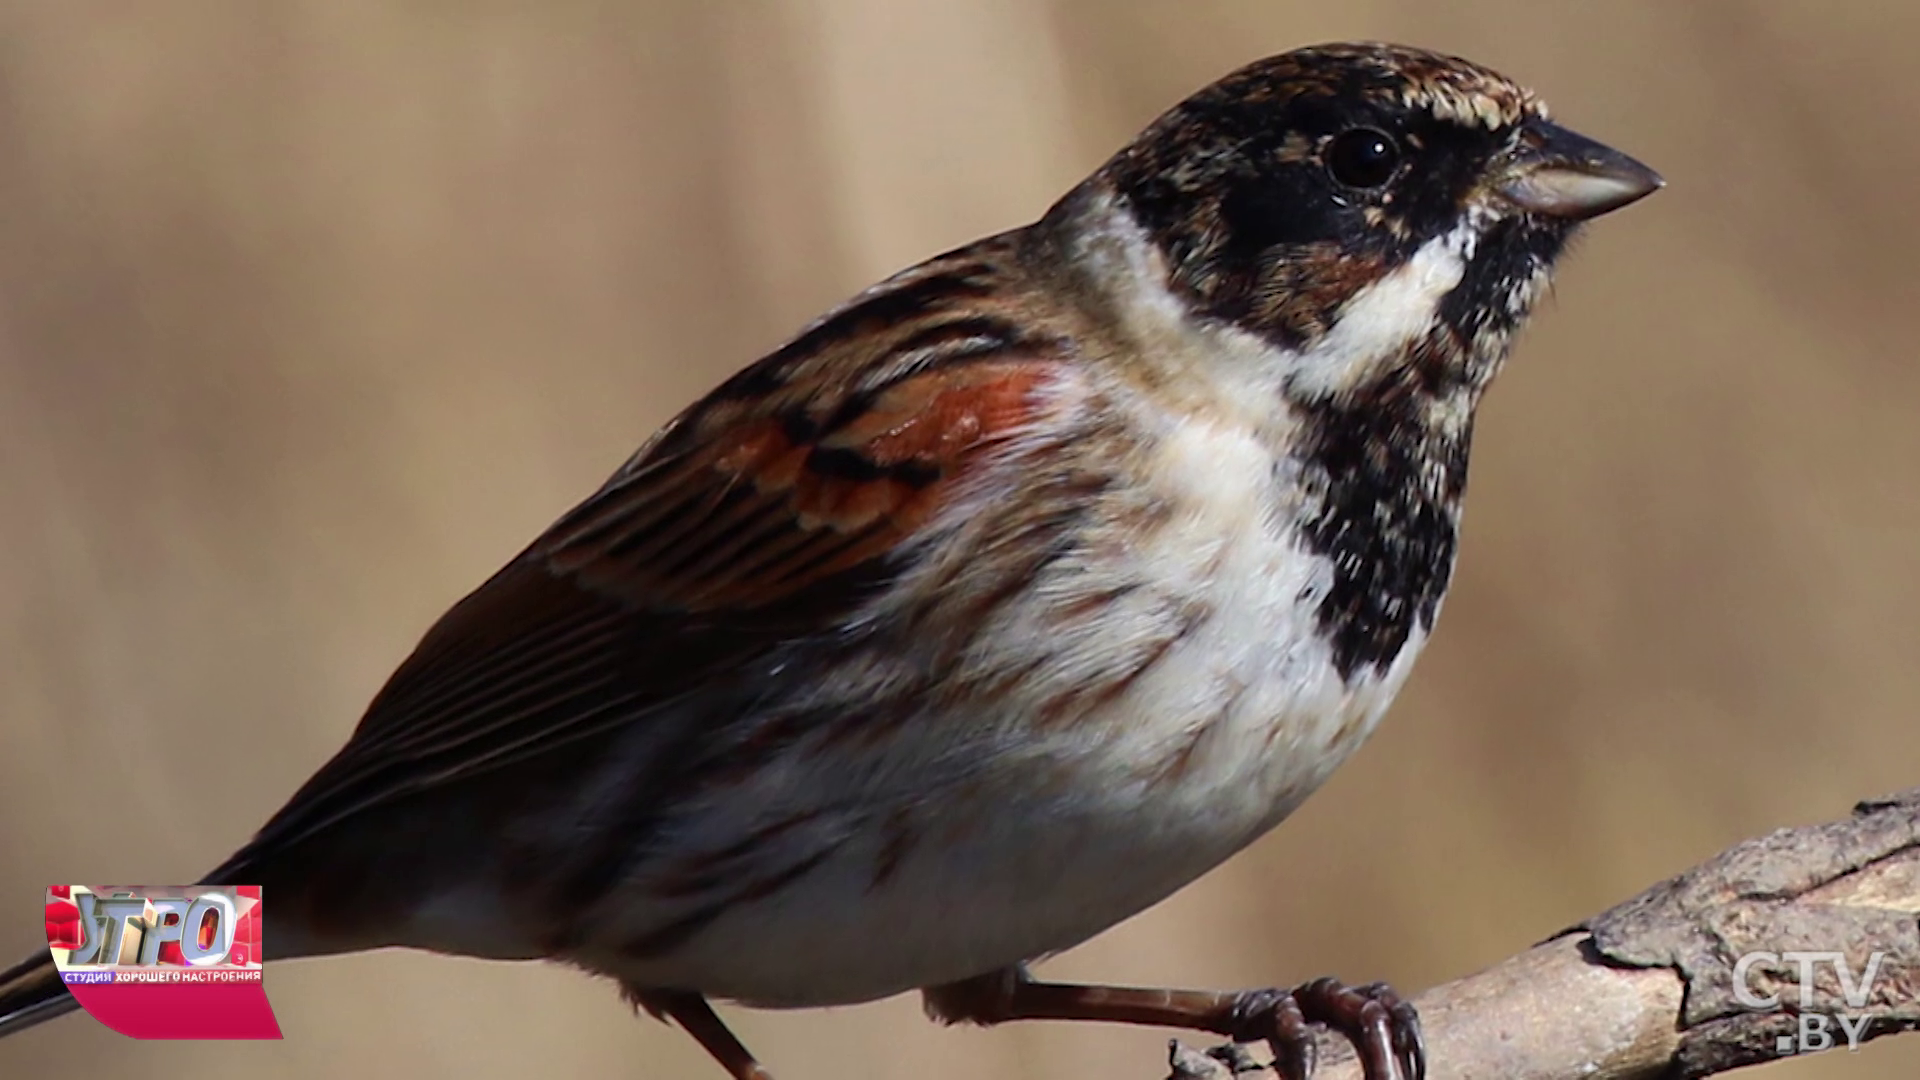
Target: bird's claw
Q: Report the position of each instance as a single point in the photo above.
(1384, 1030)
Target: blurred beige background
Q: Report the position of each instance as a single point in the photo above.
(313, 311)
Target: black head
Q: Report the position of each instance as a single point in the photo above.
(1279, 193)
(1386, 217)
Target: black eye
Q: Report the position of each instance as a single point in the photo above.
(1363, 157)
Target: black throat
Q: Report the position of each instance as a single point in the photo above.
(1384, 486)
(1385, 465)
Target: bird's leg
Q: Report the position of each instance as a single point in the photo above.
(693, 1014)
(1383, 1029)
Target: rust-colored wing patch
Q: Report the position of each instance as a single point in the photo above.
(764, 505)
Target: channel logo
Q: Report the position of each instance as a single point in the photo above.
(163, 961)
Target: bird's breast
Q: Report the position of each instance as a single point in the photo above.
(1110, 678)
(1197, 677)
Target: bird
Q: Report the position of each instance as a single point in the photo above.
(1001, 602)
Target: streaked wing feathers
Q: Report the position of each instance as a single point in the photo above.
(765, 512)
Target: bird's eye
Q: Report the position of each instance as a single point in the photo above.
(1363, 157)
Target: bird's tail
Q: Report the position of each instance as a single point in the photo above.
(31, 991)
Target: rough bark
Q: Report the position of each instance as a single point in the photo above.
(1654, 986)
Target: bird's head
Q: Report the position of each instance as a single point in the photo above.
(1381, 213)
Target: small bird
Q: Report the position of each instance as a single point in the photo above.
(1003, 601)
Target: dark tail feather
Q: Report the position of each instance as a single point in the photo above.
(31, 991)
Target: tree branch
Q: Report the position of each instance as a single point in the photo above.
(1657, 986)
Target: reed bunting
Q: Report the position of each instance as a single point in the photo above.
(1009, 597)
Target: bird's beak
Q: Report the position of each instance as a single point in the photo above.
(1558, 173)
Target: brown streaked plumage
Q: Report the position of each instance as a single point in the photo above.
(1002, 602)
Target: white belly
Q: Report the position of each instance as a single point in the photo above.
(1033, 834)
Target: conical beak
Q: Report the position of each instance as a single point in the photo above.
(1558, 173)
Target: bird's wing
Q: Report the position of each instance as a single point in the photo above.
(766, 512)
